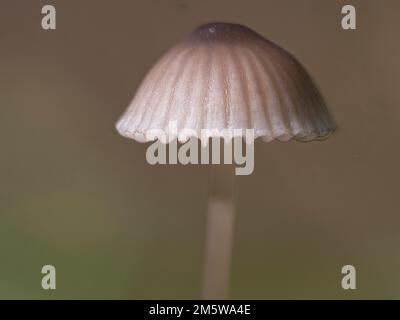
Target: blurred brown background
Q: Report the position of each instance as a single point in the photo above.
(76, 195)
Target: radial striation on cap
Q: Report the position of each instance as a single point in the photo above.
(226, 76)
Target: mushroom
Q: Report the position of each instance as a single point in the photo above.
(226, 76)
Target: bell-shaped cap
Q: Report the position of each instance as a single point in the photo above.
(226, 76)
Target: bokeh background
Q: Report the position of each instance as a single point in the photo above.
(76, 195)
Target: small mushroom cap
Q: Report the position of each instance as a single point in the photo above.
(226, 76)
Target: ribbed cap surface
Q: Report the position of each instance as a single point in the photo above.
(226, 76)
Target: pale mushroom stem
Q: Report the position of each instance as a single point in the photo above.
(219, 233)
